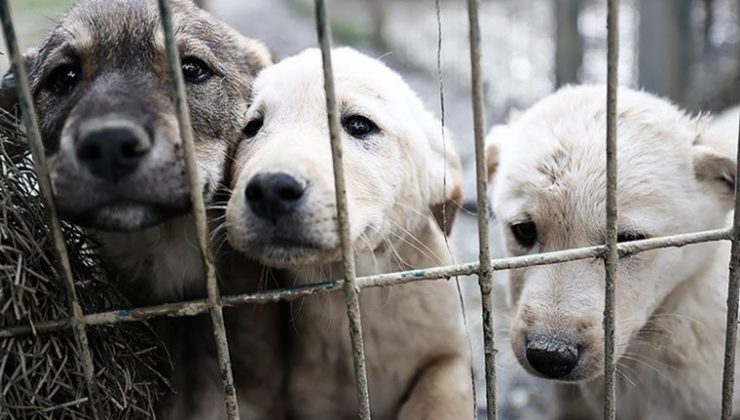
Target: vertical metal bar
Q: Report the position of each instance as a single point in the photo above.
(611, 256)
(351, 291)
(728, 378)
(484, 256)
(199, 213)
(25, 101)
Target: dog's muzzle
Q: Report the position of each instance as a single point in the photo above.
(272, 196)
(552, 357)
(112, 151)
(114, 175)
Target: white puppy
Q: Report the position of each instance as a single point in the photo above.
(283, 213)
(549, 194)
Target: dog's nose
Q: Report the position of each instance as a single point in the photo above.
(552, 357)
(112, 152)
(273, 195)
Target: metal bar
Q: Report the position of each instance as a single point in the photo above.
(611, 256)
(199, 212)
(33, 133)
(733, 290)
(484, 256)
(196, 307)
(351, 290)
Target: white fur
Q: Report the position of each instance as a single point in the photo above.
(723, 132)
(549, 166)
(417, 359)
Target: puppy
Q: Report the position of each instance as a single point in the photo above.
(113, 144)
(283, 213)
(548, 172)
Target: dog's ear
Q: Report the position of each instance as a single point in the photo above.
(8, 94)
(445, 174)
(259, 55)
(717, 171)
(494, 139)
(514, 115)
(9, 107)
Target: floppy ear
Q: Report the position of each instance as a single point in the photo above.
(717, 171)
(8, 94)
(445, 175)
(514, 115)
(498, 134)
(260, 56)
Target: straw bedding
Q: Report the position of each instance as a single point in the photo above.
(41, 376)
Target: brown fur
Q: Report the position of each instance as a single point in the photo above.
(142, 220)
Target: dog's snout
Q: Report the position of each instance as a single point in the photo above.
(112, 152)
(273, 195)
(552, 357)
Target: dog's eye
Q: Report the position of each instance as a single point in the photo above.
(253, 127)
(630, 236)
(195, 70)
(359, 126)
(525, 233)
(63, 79)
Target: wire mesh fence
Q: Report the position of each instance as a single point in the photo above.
(352, 285)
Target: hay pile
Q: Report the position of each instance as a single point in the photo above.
(41, 376)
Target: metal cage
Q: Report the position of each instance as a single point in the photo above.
(351, 285)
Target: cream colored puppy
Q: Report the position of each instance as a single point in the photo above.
(549, 194)
(282, 212)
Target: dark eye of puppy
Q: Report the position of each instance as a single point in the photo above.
(630, 236)
(359, 126)
(253, 127)
(63, 79)
(195, 70)
(525, 233)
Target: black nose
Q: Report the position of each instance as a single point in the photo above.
(552, 357)
(273, 195)
(112, 153)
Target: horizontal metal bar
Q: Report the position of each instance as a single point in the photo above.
(192, 308)
(172, 310)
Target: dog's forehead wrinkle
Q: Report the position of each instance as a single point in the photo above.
(196, 45)
(569, 173)
(199, 38)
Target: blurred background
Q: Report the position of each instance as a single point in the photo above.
(686, 50)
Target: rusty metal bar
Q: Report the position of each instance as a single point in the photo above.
(33, 133)
(611, 256)
(199, 212)
(351, 290)
(733, 290)
(196, 307)
(485, 272)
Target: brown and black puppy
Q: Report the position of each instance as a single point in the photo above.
(113, 144)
